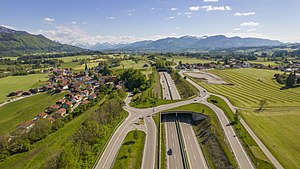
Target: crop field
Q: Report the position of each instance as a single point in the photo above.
(248, 86)
(266, 63)
(184, 59)
(26, 109)
(13, 83)
(278, 124)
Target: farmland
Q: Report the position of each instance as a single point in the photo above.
(188, 60)
(19, 111)
(127, 64)
(278, 124)
(13, 83)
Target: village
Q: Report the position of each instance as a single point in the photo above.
(81, 88)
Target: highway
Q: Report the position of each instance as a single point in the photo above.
(170, 91)
(174, 161)
(194, 153)
(109, 154)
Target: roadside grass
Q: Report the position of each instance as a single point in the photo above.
(25, 109)
(154, 103)
(131, 152)
(185, 60)
(185, 89)
(248, 86)
(157, 89)
(216, 128)
(13, 83)
(156, 118)
(254, 152)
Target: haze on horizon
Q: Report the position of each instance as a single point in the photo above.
(81, 22)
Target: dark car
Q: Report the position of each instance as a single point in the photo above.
(170, 152)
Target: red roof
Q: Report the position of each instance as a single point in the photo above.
(61, 111)
(26, 124)
(43, 114)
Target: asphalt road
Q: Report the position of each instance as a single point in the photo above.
(194, 153)
(172, 87)
(175, 160)
(165, 88)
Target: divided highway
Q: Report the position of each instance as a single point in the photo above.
(194, 153)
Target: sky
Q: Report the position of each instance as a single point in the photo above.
(98, 21)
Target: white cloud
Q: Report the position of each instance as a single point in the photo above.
(48, 20)
(110, 18)
(249, 24)
(195, 8)
(188, 14)
(173, 9)
(236, 29)
(217, 8)
(210, 0)
(129, 14)
(177, 28)
(251, 30)
(84, 23)
(171, 17)
(179, 13)
(210, 8)
(244, 13)
(74, 23)
(75, 35)
(9, 27)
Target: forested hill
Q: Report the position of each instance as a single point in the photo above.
(14, 43)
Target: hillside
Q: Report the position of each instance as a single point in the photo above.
(14, 42)
(189, 43)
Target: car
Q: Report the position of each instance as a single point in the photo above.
(170, 152)
(195, 100)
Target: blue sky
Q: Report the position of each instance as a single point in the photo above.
(97, 21)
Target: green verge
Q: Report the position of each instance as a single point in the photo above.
(152, 103)
(131, 152)
(156, 118)
(254, 152)
(25, 109)
(163, 157)
(216, 128)
(185, 89)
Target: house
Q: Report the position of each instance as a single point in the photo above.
(85, 102)
(92, 96)
(26, 93)
(50, 119)
(41, 116)
(60, 113)
(52, 108)
(67, 104)
(19, 93)
(63, 86)
(26, 125)
(61, 101)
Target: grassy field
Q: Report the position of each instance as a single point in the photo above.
(266, 63)
(184, 59)
(26, 109)
(279, 131)
(131, 152)
(249, 86)
(13, 83)
(156, 118)
(278, 124)
(216, 129)
(131, 64)
(147, 72)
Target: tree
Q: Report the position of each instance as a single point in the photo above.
(262, 103)
(236, 117)
(290, 81)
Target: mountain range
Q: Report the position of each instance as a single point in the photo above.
(187, 43)
(14, 43)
